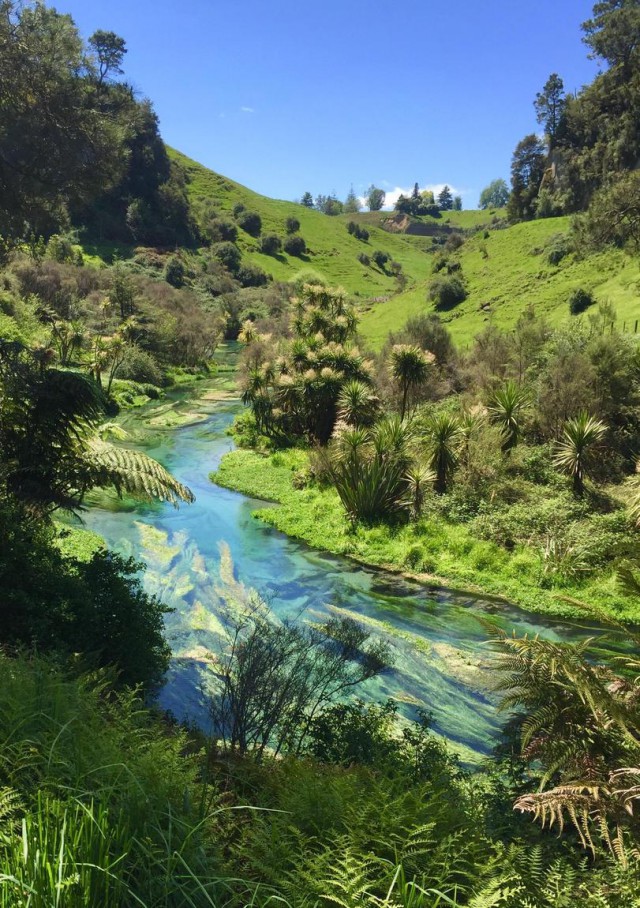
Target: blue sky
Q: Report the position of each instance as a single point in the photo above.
(286, 96)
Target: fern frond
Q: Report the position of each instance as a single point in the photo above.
(134, 472)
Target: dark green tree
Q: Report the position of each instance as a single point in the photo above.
(549, 105)
(445, 199)
(613, 33)
(109, 50)
(527, 170)
(307, 200)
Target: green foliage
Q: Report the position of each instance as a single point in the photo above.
(270, 244)
(294, 394)
(527, 169)
(228, 255)
(576, 448)
(273, 678)
(507, 407)
(292, 225)
(580, 300)
(175, 272)
(95, 608)
(447, 292)
(369, 470)
(49, 453)
(442, 437)
(295, 245)
(410, 367)
(250, 222)
(375, 198)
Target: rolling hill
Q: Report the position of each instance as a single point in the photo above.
(505, 268)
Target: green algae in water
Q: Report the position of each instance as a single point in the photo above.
(205, 560)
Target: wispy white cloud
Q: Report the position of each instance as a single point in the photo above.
(247, 110)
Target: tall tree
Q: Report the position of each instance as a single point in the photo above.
(549, 105)
(109, 50)
(527, 170)
(307, 200)
(57, 144)
(613, 32)
(445, 199)
(410, 368)
(375, 198)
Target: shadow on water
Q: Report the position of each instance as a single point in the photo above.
(201, 558)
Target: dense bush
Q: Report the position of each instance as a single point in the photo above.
(380, 258)
(95, 608)
(228, 254)
(271, 244)
(360, 233)
(252, 276)
(580, 300)
(295, 245)
(364, 259)
(175, 272)
(250, 222)
(447, 292)
(558, 249)
(292, 225)
(221, 230)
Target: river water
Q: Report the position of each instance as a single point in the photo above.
(202, 559)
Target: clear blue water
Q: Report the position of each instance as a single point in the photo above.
(202, 558)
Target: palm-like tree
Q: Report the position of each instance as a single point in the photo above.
(358, 404)
(410, 367)
(506, 408)
(581, 435)
(443, 438)
(370, 468)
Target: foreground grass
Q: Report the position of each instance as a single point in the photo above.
(429, 549)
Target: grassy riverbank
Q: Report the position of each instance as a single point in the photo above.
(428, 549)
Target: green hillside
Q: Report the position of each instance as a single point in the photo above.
(510, 269)
(332, 250)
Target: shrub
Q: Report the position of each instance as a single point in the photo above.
(308, 276)
(364, 259)
(238, 208)
(580, 300)
(440, 262)
(292, 225)
(175, 272)
(228, 254)
(380, 258)
(558, 249)
(250, 222)
(447, 292)
(220, 231)
(252, 276)
(271, 244)
(139, 365)
(295, 245)
(454, 241)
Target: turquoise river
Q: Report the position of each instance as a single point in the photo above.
(201, 559)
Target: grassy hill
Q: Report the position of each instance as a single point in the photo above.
(509, 270)
(505, 268)
(332, 250)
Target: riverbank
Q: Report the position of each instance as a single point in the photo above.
(431, 552)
